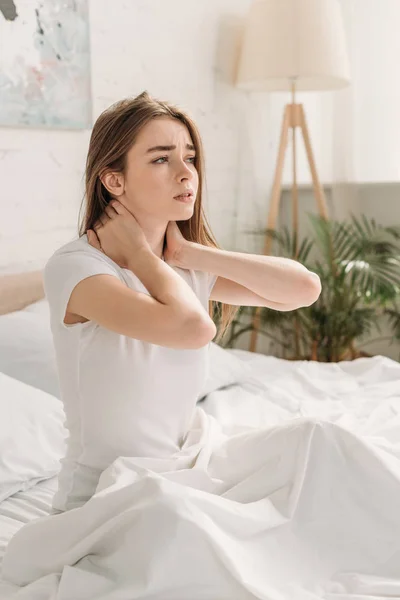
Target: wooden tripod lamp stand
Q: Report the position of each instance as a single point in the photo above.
(292, 45)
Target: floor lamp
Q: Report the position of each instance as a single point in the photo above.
(292, 45)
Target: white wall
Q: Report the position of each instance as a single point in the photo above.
(179, 50)
(185, 51)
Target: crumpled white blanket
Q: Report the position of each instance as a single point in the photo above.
(304, 509)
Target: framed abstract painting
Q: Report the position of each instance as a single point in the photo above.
(45, 64)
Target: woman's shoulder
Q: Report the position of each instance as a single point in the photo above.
(79, 254)
(80, 244)
(74, 261)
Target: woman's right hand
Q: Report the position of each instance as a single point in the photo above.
(118, 234)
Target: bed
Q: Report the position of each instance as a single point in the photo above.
(245, 392)
(18, 509)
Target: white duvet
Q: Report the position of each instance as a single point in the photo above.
(287, 488)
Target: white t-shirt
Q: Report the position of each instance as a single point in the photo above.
(122, 396)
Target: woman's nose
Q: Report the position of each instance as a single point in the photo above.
(185, 172)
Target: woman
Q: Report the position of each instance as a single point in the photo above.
(166, 506)
(131, 332)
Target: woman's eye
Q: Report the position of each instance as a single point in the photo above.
(192, 158)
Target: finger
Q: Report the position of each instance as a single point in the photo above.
(93, 239)
(119, 207)
(111, 212)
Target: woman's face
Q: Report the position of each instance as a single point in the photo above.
(154, 176)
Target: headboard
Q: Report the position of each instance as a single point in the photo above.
(19, 290)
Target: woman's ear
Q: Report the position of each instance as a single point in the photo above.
(113, 181)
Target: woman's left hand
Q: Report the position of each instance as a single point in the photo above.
(175, 246)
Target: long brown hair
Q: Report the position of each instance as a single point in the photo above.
(113, 134)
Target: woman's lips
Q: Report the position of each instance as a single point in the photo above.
(184, 198)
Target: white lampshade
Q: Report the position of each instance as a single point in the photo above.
(302, 39)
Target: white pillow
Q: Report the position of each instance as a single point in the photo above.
(41, 307)
(26, 347)
(32, 436)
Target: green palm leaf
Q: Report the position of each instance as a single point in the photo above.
(358, 263)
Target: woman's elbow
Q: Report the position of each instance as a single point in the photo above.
(311, 288)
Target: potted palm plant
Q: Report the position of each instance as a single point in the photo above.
(358, 263)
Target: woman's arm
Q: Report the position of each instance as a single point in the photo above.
(170, 315)
(266, 279)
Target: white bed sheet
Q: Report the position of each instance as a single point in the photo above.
(363, 396)
(19, 509)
